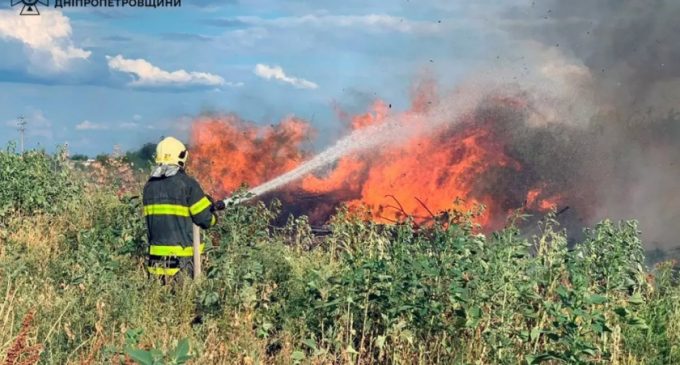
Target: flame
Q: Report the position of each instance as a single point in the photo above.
(227, 152)
(419, 178)
(531, 196)
(534, 200)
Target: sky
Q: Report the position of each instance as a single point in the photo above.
(99, 77)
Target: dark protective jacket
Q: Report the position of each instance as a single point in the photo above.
(172, 204)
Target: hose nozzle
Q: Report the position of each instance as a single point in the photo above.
(231, 201)
(236, 200)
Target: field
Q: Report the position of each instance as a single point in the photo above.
(73, 289)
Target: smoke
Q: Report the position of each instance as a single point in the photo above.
(630, 46)
(623, 161)
(584, 118)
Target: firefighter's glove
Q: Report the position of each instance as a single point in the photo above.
(215, 206)
(218, 205)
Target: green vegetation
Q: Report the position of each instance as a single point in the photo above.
(74, 289)
(143, 157)
(79, 157)
(33, 183)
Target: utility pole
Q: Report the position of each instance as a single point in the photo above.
(117, 151)
(64, 153)
(21, 126)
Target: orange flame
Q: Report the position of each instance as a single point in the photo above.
(420, 177)
(534, 200)
(227, 152)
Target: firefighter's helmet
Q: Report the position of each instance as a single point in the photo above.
(170, 151)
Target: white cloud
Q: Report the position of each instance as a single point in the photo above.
(277, 73)
(368, 22)
(136, 117)
(229, 84)
(86, 125)
(147, 74)
(47, 37)
(129, 125)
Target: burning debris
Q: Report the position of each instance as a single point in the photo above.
(467, 157)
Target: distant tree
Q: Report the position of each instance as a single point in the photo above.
(148, 151)
(79, 157)
(143, 157)
(102, 159)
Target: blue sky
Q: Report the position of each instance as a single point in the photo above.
(99, 77)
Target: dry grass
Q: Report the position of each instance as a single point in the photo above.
(20, 353)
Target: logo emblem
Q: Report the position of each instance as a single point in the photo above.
(30, 6)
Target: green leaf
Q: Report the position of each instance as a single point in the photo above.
(621, 311)
(638, 322)
(636, 299)
(297, 355)
(156, 354)
(524, 335)
(181, 352)
(535, 332)
(597, 299)
(142, 357)
(132, 336)
(590, 352)
(380, 341)
(331, 303)
(562, 291)
(537, 359)
(475, 312)
(310, 343)
(599, 327)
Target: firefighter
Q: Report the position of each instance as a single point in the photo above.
(173, 202)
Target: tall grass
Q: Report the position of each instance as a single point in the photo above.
(73, 289)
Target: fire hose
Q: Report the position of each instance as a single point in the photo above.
(229, 202)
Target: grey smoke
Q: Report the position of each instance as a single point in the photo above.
(628, 159)
(630, 46)
(599, 129)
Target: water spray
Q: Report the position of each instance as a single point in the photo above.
(393, 130)
(358, 140)
(234, 200)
